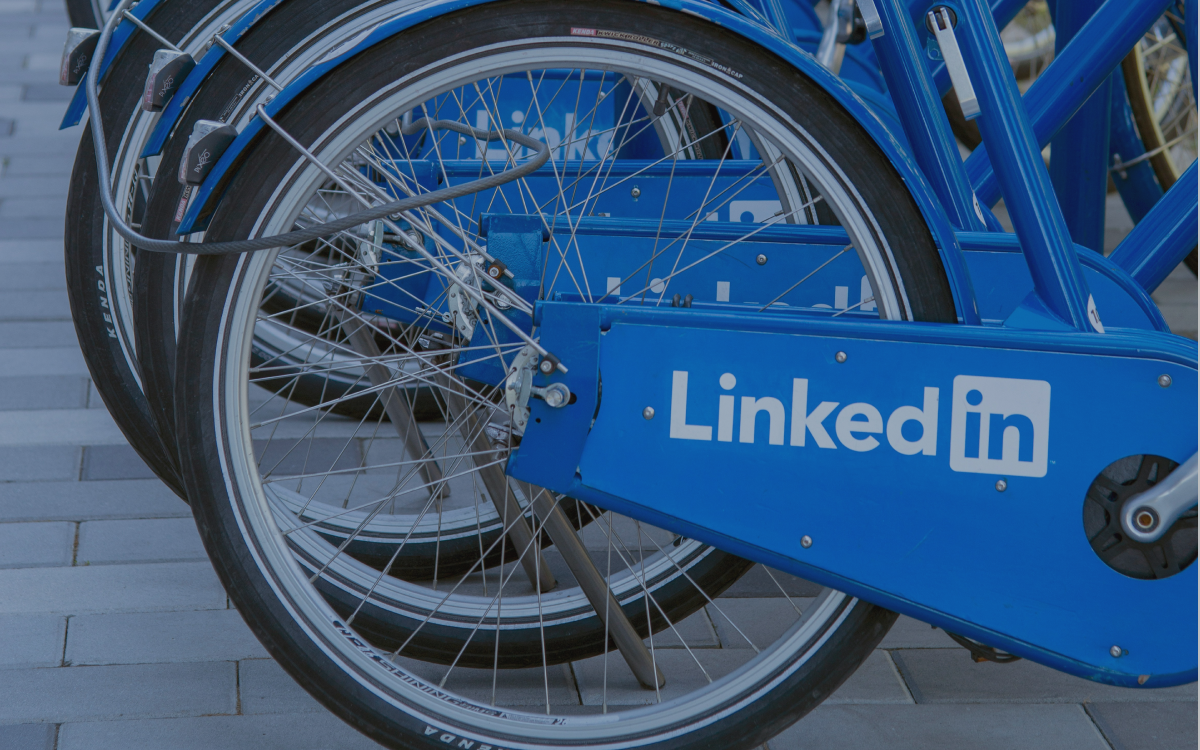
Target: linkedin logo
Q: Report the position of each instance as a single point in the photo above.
(1000, 426)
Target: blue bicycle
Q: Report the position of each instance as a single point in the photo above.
(655, 269)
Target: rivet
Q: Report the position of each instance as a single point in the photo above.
(1116, 652)
(636, 192)
(840, 357)
(761, 259)
(1001, 485)
(1164, 381)
(648, 412)
(806, 541)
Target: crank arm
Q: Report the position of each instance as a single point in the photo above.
(1155, 510)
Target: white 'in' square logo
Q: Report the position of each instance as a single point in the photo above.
(1000, 426)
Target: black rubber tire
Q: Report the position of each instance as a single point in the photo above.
(155, 281)
(917, 266)
(82, 14)
(90, 297)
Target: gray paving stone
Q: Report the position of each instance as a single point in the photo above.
(946, 676)
(34, 305)
(28, 736)
(21, 165)
(82, 501)
(762, 621)
(759, 583)
(41, 463)
(152, 637)
(33, 276)
(30, 250)
(264, 688)
(59, 427)
(19, 75)
(696, 631)
(28, 545)
(47, 92)
(148, 540)
(111, 461)
(43, 392)
(155, 587)
(315, 731)
(59, 143)
(31, 641)
(49, 208)
(942, 728)
(1159, 726)
(140, 691)
(875, 681)
(25, 187)
(40, 335)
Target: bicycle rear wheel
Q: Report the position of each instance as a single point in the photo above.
(795, 136)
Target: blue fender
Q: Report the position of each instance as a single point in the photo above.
(952, 257)
(178, 103)
(120, 38)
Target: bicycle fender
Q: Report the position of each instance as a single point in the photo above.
(205, 197)
(120, 38)
(199, 74)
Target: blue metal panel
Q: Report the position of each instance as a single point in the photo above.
(1057, 276)
(1002, 282)
(120, 38)
(920, 190)
(175, 108)
(1068, 81)
(1164, 238)
(895, 477)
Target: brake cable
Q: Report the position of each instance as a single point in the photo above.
(298, 236)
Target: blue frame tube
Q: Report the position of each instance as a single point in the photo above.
(1003, 11)
(919, 107)
(1160, 242)
(1136, 183)
(1079, 153)
(1057, 275)
(1082, 67)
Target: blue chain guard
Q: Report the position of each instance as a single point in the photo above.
(926, 533)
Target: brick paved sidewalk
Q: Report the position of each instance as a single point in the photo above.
(114, 632)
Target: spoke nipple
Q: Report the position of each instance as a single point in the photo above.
(1117, 652)
(1164, 381)
(806, 541)
(840, 357)
(636, 193)
(1001, 485)
(648, 412)
(761, 259)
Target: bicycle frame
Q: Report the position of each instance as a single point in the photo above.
(1040, 345)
